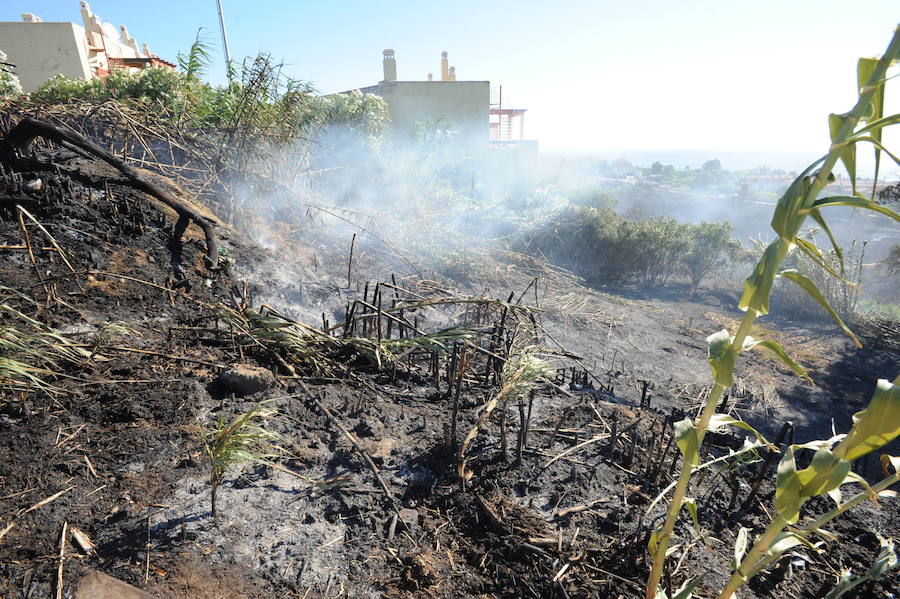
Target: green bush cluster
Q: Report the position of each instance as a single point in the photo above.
(592, 240)
(288, 107)
(9, 83)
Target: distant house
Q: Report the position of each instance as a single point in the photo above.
(418, 107)
(40, 50)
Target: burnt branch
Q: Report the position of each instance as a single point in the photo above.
(21, 137)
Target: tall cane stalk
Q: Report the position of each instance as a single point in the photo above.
(798, 202)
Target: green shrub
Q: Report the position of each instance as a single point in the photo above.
(593, 241)
(711, 249)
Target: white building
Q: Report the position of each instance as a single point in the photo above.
(415, 107)
(42, 50)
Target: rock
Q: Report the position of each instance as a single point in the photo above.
(242, 380)
(97, 585)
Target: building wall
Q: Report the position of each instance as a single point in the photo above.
(462, 105)
(42, 50)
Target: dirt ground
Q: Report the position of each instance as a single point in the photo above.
(115, 452)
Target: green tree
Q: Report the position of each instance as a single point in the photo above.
(711, 248)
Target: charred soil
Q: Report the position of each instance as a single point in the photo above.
(555, 508)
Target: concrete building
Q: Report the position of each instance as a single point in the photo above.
(492, 134)
(417, 107)
(42, 50)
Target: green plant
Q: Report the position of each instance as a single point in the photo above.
(30, 351)
(194, 63)
(884, 563)
(232, 443)
(871, 308)
(711, 249)
(863, 124)
(9, 83)
(841, 293)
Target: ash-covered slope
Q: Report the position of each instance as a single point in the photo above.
(371, 372)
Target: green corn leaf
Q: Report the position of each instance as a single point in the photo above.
(864, 70)
(720, 356)
(691, 504)
(686, 438)
(686, 590)
(787, 488)
(653, 541)
(807, 285)
(848, 154)
(826, 472)
(878, 125)
(836, 495)
(817, 216)
(784, 220)
(814, 254)
(775, 348)
(783, 542)
(855, 202)
(875, 426)
(719, 421)
(740, 547)
(758, 286)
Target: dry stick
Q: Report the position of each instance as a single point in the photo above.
(44, 502)
(6, 530)
(520, 444)
(359, 449)
(350, 260)
(577, 509)
(459, 382)
(59, 250)
(613, 436)
(575, 448)
(62, 559)
(171, 357)
(27, 239)
(147, 562)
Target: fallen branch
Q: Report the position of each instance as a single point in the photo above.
(22, 136)
(359, 449)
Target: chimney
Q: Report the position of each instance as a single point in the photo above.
(390, 65)
(451, 75)
(445, 64)
(430, 77)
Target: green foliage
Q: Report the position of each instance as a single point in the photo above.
(230, 444)
(194, 63)
(871, 308)
(158, 86)
(30, 351)
(9, 83)
(593, 241)
(711, 250)
(874, 427)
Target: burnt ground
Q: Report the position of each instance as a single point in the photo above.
(115, 446)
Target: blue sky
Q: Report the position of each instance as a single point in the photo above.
(601, 75)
